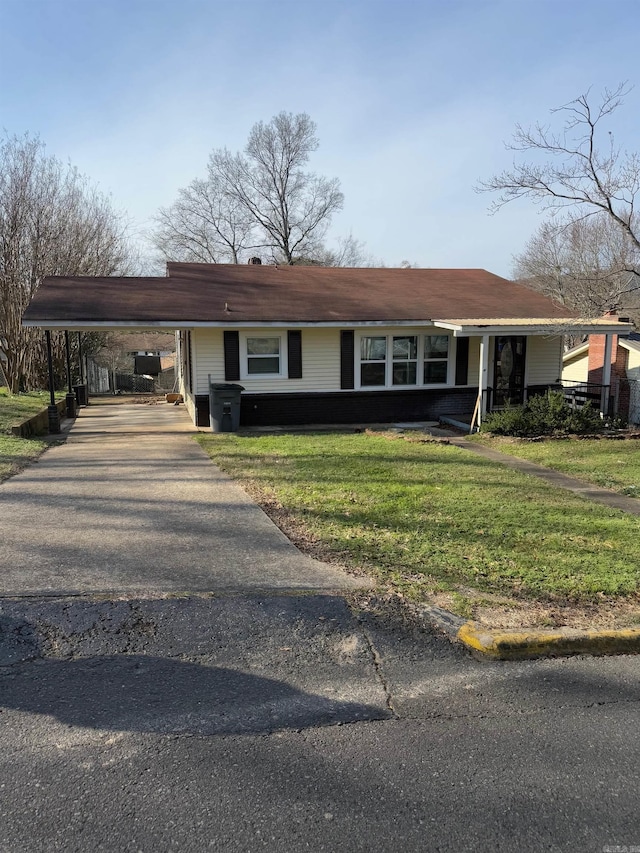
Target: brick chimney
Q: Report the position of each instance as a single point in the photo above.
(597, 345)
(619, 363)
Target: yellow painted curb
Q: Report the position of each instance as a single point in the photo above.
(512, 645)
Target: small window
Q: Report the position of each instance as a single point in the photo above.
(263, 356)
(436, 359)
(373, 360)
(405, 360)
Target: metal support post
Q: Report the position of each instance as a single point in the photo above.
(71, 397)
(52, 409)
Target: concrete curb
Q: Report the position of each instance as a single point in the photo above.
(499, 644)
(558, 642)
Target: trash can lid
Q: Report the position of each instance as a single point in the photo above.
(226, 386)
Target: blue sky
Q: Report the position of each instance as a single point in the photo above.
(413, 100)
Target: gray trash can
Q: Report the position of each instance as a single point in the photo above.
(224, 406)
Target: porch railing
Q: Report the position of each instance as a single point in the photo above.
(577, 394)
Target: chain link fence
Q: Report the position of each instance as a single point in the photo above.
(634, 402)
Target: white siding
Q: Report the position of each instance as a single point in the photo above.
(576, 369)
(320, 361)
(544, 360)
(474, 362)
(182, 378)
(320, 358)
(633, 364)
(208, 358)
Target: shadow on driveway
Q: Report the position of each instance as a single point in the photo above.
(140, 693)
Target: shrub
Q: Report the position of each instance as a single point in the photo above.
(545, 414)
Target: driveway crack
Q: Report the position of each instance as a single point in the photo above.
(377, 665)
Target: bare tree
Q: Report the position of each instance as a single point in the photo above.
(347, 252)
(52, 222)
(581, 166)
(205, 224)
(582, 263)
(261, 198)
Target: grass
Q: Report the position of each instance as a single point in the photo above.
(15, 453)
(614, 464)
(424, 517)
(18, 407)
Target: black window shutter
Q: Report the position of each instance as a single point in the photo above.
(462, 361)
(346, 358)
(187, 337)
(231, 356)
(294, 351)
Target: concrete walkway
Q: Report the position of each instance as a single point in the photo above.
(556, 478)
(131, 504)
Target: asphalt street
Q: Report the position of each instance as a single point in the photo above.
(175, 675)
(297, 722)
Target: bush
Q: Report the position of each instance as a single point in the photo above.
(545, 414)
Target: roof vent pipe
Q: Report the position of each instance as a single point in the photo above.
(254, 260)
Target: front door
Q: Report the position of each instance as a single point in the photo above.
(508, 374)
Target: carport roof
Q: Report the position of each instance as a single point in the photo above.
(233, 295)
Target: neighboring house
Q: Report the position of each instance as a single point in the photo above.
(583, 366)
(128, 355)
(333, 345)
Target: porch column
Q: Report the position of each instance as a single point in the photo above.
(483, 384)
(606, 375)
(54, 414)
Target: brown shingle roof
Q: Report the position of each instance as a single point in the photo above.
(229, 294)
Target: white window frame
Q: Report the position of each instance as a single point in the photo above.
(390, 335)
(360, 361)
(426, 360)
(406, 361)
(244, 355)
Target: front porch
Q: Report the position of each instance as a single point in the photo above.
(604, 398)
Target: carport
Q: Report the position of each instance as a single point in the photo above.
(59, 309)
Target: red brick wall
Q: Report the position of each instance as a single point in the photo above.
(619, 362)
(596, 356)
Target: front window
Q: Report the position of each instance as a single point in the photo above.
(394, 361)
(436, 359)
(405, 359)
(373, 361)
(263, 356)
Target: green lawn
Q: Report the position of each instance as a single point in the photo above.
(15, 453)
(612, 463)
(425, 517)
(18, 407)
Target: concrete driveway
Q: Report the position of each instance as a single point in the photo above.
(131, 504)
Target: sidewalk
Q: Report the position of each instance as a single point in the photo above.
(130, 504)
(556, 478)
